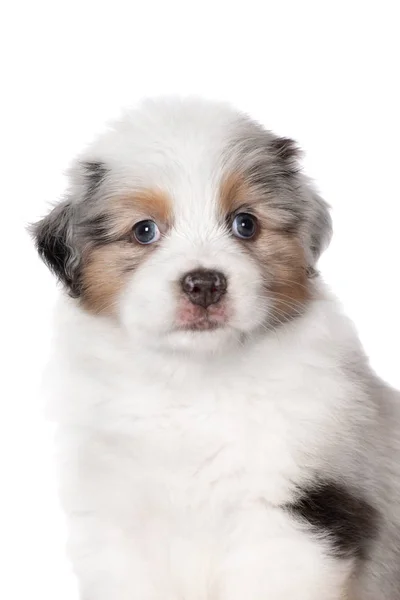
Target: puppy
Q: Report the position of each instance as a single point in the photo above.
(221, 434)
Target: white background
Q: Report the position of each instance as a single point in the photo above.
(323, 72)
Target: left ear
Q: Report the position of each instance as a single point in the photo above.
(316, 225)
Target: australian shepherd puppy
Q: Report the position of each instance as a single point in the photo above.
(221, 434)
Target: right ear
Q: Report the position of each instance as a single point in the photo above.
(56, 236)
(55, 241)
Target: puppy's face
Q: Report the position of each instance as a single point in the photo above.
(189, 225)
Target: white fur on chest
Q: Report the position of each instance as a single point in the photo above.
(193, 464)
(246, 428)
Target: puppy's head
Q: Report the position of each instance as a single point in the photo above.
(189, 225)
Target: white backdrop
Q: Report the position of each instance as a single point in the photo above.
(325, 73)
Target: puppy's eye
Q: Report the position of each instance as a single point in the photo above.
(244, 226)
(146, 232)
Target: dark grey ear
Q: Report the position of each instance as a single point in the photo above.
(55, 241)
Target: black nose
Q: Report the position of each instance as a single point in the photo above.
(204, 287)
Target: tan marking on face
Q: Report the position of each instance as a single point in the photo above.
(156, 203)
(105, 272)
(280, 257)
(125, 211)
(278, 253)
(107, 267)
(234, 193)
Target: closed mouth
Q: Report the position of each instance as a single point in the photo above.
(202, 324)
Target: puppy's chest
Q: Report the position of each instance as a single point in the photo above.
(220, 445)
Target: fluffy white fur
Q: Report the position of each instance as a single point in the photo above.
(178, 449)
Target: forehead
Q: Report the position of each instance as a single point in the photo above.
(185, 149)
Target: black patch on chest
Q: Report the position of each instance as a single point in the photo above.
(333, 512)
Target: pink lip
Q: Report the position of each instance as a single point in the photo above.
(192, 317)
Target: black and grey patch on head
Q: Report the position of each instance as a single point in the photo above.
(95, 172)
(286, 150)
(271, 166)
(96, 227)
(267, 160)
(336, 514)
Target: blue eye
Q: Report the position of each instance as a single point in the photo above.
(146, 232)
(244, 226)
